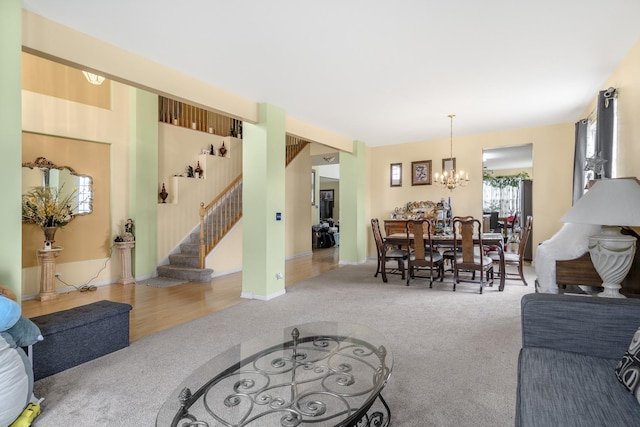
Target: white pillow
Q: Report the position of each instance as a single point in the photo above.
(14, 383)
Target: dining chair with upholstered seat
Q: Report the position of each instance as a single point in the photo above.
(450, 254)
(516, 259)
(471, 256)
(423, 254)
(386, 254)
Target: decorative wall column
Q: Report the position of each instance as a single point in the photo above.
(11, 137)
(143, 170)
(47, 273)
(353, 226)
(263, 203)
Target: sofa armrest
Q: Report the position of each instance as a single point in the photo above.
(600, 327)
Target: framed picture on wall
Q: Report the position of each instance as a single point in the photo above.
(448, 164)
(395, 175)
(421, 172)
(326, 204)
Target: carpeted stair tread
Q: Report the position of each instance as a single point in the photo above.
(190, 248)
(185, 260)
(187, 273)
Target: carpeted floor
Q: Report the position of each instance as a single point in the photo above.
(455, 353)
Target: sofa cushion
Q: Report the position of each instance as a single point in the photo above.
(628, 369)
(558, 388)
(25, 332)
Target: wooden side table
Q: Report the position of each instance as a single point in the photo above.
(47, 273)
(125, 262)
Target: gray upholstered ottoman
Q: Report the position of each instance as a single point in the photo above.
(78, 335)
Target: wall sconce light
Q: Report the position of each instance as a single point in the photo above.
(94, 79)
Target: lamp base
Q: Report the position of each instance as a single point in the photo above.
(612, 255)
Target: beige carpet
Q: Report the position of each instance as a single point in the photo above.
(455, 353)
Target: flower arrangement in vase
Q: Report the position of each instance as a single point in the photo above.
(48, 207)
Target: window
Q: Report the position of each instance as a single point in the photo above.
(84, 194)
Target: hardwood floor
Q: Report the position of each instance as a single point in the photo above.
(156, 309)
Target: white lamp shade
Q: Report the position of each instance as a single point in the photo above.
(612, 202)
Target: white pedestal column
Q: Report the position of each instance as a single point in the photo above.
(125, 262)
(47, 273)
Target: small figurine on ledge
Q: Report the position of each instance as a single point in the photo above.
(128, 231)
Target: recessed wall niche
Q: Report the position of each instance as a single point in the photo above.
(87, 237)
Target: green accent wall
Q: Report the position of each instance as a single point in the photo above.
(352, 205)
(263, 160)
(11, 144)
(143, 202)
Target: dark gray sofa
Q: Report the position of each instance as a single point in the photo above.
(570, 347)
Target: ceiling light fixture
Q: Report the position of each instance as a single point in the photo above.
(449, 177)
(92, 78)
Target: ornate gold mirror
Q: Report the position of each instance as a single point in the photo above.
(43, 173)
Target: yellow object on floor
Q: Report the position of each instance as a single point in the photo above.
(28, 415)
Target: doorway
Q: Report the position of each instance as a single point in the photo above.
(507, 191)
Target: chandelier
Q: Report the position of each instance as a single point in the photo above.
(449, 177)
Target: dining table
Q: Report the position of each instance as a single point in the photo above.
(446, 241)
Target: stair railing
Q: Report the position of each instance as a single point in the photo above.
(293, 146)
(217, 218)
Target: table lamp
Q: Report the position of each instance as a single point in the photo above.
(611, 203)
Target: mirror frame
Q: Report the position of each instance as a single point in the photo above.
(43, 163)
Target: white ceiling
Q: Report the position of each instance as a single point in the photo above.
(381, 72)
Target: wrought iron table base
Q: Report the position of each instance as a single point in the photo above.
(324, 380)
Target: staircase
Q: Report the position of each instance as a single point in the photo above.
(185, 264)
(216, 221)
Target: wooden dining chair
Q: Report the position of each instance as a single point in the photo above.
(515, 259)
(471, 256)
(423, 254)
(386, 254)
(450, 254)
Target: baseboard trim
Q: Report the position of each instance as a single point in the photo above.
(226, 272)
(251, 295)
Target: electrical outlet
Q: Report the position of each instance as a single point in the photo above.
(58, 275)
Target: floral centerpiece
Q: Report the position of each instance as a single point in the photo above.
(48, 207)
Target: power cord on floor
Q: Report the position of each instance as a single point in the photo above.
(87, 287)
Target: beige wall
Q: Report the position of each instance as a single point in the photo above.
(87, 236)
(298, 205)
(552, 163)
(50, 78)
(553, 145)
(47, 115)
(178, 148)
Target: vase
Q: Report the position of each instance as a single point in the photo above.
(223, 150)
(49, 233)
(164, 194)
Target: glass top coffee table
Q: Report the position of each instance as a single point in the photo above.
(320, 374)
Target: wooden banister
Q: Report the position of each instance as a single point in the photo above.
(218, 217)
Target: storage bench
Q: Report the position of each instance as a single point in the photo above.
(78, 335)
